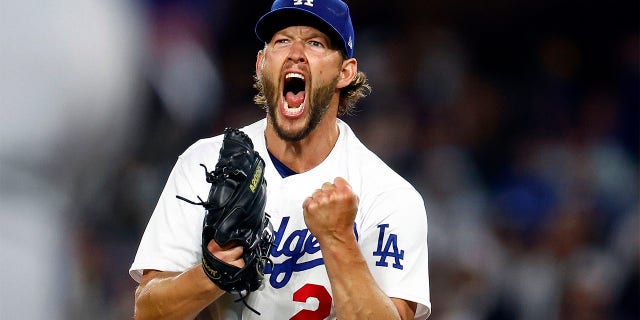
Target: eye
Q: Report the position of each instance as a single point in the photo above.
(316, 43)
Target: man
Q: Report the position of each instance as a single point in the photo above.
(350, 232)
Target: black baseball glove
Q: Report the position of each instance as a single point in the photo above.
(235, 214)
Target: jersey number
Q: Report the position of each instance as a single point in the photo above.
(313, 291)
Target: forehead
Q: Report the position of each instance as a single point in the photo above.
(302, 31)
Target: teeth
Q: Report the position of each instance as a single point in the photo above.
(293, 110)
(294, 75)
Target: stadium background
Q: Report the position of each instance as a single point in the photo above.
(516, 120)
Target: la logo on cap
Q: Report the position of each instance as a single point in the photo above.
(306, 3)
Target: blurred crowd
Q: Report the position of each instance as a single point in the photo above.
(516, 120)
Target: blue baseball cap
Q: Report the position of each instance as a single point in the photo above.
(329, 16)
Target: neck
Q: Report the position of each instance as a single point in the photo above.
(306, 154)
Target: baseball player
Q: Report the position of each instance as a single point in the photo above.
(350, 234)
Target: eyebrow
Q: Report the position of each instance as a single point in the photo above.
(312, 33)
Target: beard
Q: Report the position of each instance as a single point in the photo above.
(317, 106)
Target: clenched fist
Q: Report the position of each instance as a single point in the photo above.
(330, 211)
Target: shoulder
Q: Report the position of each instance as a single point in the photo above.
(206, 148)
(370, 173)
(385, 197)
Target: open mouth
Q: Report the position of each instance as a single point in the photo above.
(294, 93)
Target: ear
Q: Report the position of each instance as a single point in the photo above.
(347, 73)
(259, 62)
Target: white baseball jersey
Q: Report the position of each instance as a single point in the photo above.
(391, 228)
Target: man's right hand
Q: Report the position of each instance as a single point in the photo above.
(231, 254)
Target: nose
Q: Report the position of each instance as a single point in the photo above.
(296, 52)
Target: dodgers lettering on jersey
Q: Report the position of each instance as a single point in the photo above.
(294, 247)
(301, 242)
(297, 244)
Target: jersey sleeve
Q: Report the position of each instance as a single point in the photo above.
(172, 238)
(393, 240)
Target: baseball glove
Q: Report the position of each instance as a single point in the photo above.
(235, 214)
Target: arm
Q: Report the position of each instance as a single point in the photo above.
(329, 214)
(350, 280)
(175, 295)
